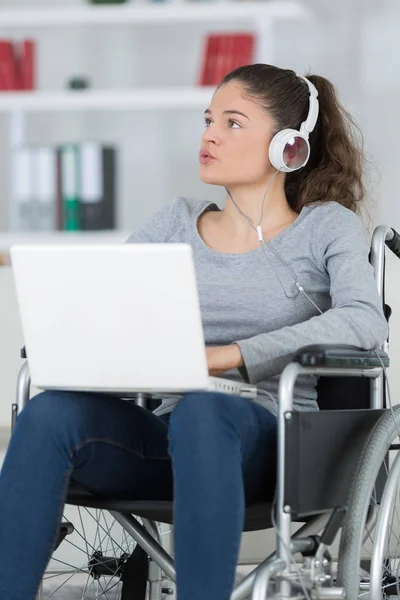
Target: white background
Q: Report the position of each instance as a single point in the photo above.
(351, 42)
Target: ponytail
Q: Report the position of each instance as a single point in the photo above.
(335, 168)
(334, 171)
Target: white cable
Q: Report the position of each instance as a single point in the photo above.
(271, 397)
(302, 290)
(264, 244)
(258, 228)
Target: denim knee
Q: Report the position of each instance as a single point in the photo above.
(201, 410)
(54, 412)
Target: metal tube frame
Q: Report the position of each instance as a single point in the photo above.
(286, 387)
(147, 542)
(280, 561)
(23, 393)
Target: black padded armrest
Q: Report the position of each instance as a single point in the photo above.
(394, 243)
(340, 355)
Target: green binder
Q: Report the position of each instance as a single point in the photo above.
(70, 185)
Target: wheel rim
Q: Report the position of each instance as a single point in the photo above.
(384, 576)
(89, 561)
(381, 543)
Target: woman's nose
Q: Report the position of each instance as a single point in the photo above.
(211, 135)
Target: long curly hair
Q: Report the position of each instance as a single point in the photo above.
(334, 171)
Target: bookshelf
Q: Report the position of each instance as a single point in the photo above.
(260, 16)
(175, 11)
(135, 99)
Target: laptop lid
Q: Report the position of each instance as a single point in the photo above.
(115, 318)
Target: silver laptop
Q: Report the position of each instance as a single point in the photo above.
(120, 319)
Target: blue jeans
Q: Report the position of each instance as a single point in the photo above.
(213, 454)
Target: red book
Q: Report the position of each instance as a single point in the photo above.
(204, 65)
(8, 73)
(213, 59)
(245, 49)
(223, 53)
(222, 59)
(209, 55)
(236, 51)
(26, 75)
(229, 48)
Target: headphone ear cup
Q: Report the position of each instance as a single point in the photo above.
(289, 150)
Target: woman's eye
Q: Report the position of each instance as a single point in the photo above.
(231, 124)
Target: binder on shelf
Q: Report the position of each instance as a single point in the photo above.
(44, 187)
(97, 191)
(22, 196)
(70, 201)
(59, 209)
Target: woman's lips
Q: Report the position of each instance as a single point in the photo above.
(205, 159)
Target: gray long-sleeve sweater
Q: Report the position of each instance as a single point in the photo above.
(252, 299)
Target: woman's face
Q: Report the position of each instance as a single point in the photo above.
(234, 146)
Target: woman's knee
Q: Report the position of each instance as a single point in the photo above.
(199, 410)
(51, 410)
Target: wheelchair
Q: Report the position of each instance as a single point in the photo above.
(337, 477)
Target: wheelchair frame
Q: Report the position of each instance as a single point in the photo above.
(278, 563)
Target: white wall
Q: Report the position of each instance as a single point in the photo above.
(353, 43)
(158, 150)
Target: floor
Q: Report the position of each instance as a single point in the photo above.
(75, 592)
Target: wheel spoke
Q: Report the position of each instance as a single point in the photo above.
(100, 543)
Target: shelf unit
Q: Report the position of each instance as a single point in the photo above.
(175, 11)
(136, 99)
(260, 15)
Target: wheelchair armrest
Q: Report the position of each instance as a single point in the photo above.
(340, 355)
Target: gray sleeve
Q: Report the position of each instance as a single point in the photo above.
(356, 317)
(156, 228)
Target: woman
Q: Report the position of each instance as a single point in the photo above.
(285, 264)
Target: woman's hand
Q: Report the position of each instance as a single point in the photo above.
(223, 358)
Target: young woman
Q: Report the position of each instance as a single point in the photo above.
(283, 265)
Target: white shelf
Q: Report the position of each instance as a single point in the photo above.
(174, 11)
(8, 239)
(139, 99)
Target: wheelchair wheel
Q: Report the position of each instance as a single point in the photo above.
(369, 553)
(89, 561)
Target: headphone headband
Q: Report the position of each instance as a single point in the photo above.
(307, 127)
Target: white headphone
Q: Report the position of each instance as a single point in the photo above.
(289, 149)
